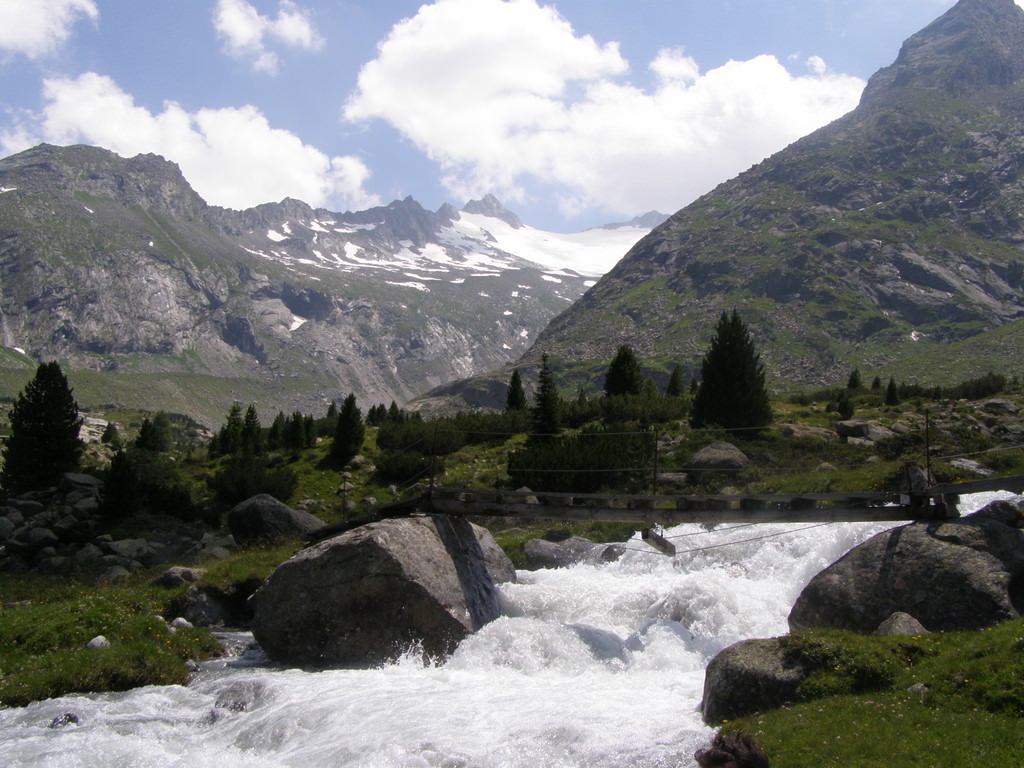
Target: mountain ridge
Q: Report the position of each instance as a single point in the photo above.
(117, 266)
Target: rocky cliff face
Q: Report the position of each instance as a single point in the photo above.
(117, 266)
(891, 238)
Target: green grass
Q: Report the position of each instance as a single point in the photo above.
(45, 625)
(943, 700)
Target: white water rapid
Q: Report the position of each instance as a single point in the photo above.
(597, 665)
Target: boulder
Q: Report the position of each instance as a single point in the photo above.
(962, 574)
(720, 456)
(178, 575)
(749, 676)
(367, 596)
(206, 605)
(1001, 406)
(544, 553)
(900, 624)
(264, 519)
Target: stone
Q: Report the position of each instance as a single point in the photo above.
(962, 574)
(264, 519)
(543, 553)
(240, 696)
(749, 676)
(64, 720)
(7, 527)
(369, 595)
(720, 456)
(181, 623)
(112, 574)
(98, 642)
(205, 605)
(1001, 406)
(900, 623)
(178, 575)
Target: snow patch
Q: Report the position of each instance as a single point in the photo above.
(287, 227)
(417, 286)
(277, 237)
(7, 189)
(90, 210)
(551, 279)
(916, 335)
(297, 322)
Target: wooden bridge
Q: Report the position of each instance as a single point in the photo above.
(933, 503)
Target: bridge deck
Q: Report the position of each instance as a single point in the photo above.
(673, 510)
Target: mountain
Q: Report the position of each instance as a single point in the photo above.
(891, 239)
(152, 298)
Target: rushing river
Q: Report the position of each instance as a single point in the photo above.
(600, 665)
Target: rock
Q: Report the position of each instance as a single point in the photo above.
(98, 642)
(542, 553)
(112, 574)
(952, 575)
(75, 481)
(240, 696)
(264, 519)
(181, 623)
(7, 528)
(62, 721)
(805, 431)
(720, 456)
(748, 676)
(205, 605)
(1001, 406)
(900, 624)
(971, 466)
(178, 575)
(367, 596)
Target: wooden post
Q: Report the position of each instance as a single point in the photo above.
(658, 541)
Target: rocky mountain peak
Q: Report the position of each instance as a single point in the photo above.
(976, 45)
(491, 206)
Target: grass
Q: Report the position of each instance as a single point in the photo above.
(45, 625)
(944, 700)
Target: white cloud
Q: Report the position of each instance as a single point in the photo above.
(37, 28)
(232, 156)
(246, 32)
(502, 94)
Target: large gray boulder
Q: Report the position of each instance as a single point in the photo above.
(749, 676)
(264, 519)
(365, 597)
(951, 575)
(719, 456)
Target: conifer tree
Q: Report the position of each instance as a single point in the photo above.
(516, 399)
(854, 381)
(253, 443)
(275, 435)
(155, 435)
(348, 438)
(732, 392)
(547, 405)
(674, 388)
(892, 396)
(44, 440)
(623, 376)
(229, 438)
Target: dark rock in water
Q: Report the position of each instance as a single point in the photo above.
(264, 519)
(62, 721)
(543, 553)
(605, 645)
(900, 624)
(749, 676)
(241, 696)
(365, 597)
(952, 575)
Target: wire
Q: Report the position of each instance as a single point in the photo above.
(730, 543)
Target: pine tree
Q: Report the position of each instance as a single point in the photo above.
(854, 381)
(674, 388)
(155, 435)
(516, 398)
(732, 392)
(275, 435)
(44, 440)
(623, 376)
(348, 438)
(253, 443)
(547, 406)
(229, 438)
(892, 396)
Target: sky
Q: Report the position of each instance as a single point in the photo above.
(574, 113)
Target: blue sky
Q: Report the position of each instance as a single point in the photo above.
(574, 112)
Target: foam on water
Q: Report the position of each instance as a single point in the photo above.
(600, 665)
